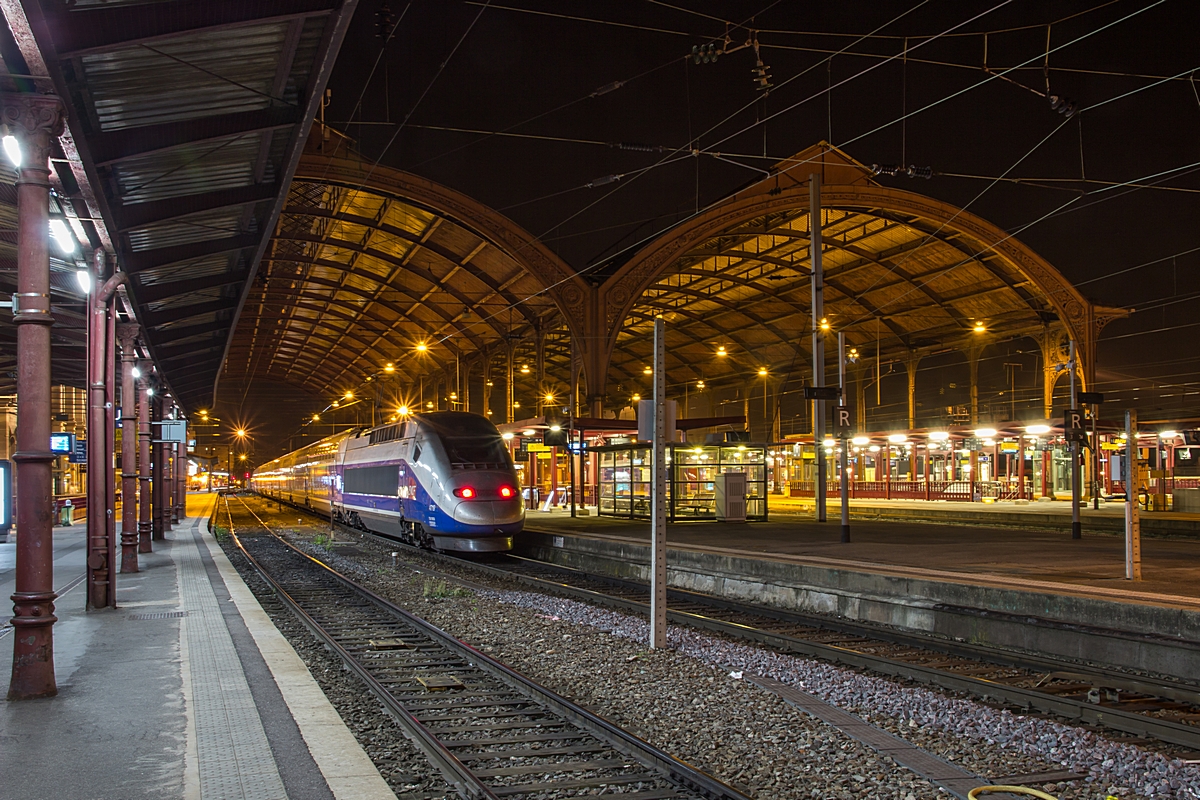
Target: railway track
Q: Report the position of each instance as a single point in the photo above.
(1127, 704)
(491, 732)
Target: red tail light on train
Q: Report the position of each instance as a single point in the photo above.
(465, 492)
(507, 492)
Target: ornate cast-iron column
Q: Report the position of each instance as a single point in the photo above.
(101, 559)
(159, 514)
(145, 518)
(127, 334)
(37, 121)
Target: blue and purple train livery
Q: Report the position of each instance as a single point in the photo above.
(442, 480)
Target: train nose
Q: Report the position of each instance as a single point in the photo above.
(488, 512)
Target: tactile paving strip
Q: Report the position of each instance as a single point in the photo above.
(235, 759)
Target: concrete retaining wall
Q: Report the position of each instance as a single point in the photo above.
(1152, 639)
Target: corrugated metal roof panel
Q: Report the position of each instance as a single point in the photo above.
(186, 77)
(221, 223)
(190, 169)
(199, 268)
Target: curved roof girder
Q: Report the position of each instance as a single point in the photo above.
(625, 287)
(557, 284)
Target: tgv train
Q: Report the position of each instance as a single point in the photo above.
(442, 480)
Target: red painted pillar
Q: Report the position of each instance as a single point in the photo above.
(127, 334)
(158, 503)
(553, 469)
(110, 427)
(1020, 467)
(928, 490)
(37, 120)
(887, 472)
(145, 512)
(181, 479)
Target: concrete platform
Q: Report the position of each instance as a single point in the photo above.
(185, 690)
(1051, 515)
(1031, 590)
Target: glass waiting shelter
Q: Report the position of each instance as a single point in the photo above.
(625, 472)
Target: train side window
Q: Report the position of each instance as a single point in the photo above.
(416, 452)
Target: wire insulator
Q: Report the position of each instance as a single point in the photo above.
(607, 179)
(608, 87)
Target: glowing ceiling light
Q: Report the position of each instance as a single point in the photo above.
(829, 443)
(721, 351)
(137, 373)
(528, 432)
(861, 440)
(506, 436)
(422, 347)
(699, 384)
(647, 370)
(762, 372)
(316, 418)
(556, 428)
(985, 433)
(402, 411)
(824, 324)
(637, 397)
(549, 398)
(1168, 434)
(349, 395)
(390, 367)
(897, 438)
(524, 369)
(85, 280)
(62, 235)
(979, 327)
(1037, 430)
(939, 436)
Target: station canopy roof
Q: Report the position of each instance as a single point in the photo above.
(185, 122)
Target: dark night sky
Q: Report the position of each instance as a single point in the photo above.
(514, 66)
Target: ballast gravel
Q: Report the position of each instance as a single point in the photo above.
(686, 700)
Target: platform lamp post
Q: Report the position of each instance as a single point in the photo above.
(844, 435)
(32, 124)
(818, 338)
(1076, 527)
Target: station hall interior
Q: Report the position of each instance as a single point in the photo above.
(916, 269)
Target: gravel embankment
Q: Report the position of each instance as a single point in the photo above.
(685, 700)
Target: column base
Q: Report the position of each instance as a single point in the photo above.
(144, 538)
(33, 646)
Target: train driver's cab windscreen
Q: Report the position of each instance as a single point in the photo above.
(469, 439)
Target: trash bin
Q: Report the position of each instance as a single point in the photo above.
(66, 513)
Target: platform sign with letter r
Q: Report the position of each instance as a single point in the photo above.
(842, 429)
(1073, 429)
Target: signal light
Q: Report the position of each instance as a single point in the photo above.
(506, 492)
(465, 492)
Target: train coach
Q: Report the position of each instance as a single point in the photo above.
(442, 480)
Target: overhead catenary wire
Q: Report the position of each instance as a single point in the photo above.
(909, 114)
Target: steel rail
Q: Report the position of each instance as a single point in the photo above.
(667, 766)
(1079, 710)
(453, 770)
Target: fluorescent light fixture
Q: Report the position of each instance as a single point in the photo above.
(85, 280)
(1037, 430)
(897, 438)
(528, 432)
(12, 149)
(506, 436)
(828, 442)
(62, 235)
(556, 428)
(1168, 434)
(137, 373)
(874, 448)
(939, 436)
(150, 392)
(985, 433)
(861, 440)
